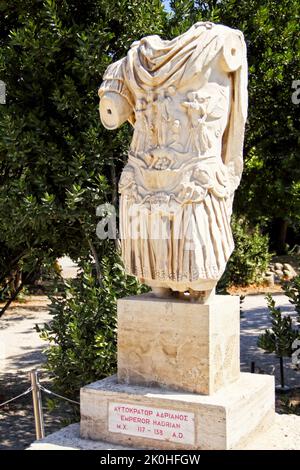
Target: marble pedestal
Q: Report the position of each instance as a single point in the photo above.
(179, 384)
(178, 344)
(155, 418)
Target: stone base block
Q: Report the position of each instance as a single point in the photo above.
(283, 435)
(179, 344)
(147, 417)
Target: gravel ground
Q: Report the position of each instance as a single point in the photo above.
(21, 350)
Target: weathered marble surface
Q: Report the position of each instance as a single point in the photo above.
(187, 101)
(223, 420)
(182, 346)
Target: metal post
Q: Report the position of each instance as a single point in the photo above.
(37, 405)
(281, 372)
(252, 367)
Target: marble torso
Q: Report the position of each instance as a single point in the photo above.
(187, 101)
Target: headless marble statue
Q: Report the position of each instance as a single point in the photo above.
(187, 101)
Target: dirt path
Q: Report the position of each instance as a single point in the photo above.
(21, 350)
(21, 347)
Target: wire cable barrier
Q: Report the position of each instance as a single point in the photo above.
(57, 395)
(43, 389)
(37, 389)
(18, 396)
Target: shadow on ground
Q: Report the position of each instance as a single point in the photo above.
(26, 359)
(17, 429)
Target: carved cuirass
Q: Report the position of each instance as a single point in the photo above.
(187, 101)
(168, 163)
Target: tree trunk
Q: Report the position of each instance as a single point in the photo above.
(12, 298)
(12, 265)
(15, 280)
(97, 262)
(281, 238)
(18, 290)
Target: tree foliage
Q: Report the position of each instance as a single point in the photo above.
(57, 163)
(250, 258)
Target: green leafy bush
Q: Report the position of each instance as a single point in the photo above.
(280, 337)
(82, 333)
(250, 258)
